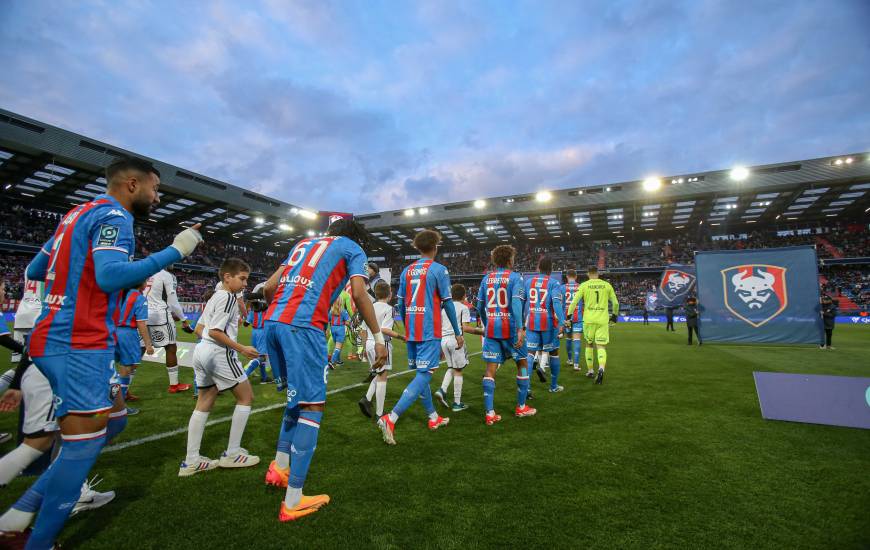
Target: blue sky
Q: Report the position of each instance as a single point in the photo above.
(366, 106)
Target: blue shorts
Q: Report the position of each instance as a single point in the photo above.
(577, 328)
(498, 350)
(128, 350)
(258, 340)
(544, 340)
(80, 381)
(338, 333)
(299, 355)
(424, 356)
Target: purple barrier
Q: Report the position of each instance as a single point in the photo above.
(814, 399)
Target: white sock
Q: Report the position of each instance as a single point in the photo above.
(282, 460)
(292, 497)
(132, 374)
(371, 391)
(457, 389)
(173, 375)
(16, 460)
(448, 377)
(381, 396)
(237, 427)
(195, 429)
(16, 520)
(6, 379)
(433, 416)
(394, 417)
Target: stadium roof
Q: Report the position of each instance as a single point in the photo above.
(49, 167)
(789, 194)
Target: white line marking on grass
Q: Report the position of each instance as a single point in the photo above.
(179, 431)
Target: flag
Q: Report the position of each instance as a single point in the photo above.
(676, 284)
(652, 299)
(761, 296)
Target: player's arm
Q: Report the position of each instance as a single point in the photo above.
(142, 327)
(465, 319)
(221, 337)
(443, 289)
(400, 298)
(271, 285)
(222, 318)
(558, 305)
(249, 318)
(38, 266)
(575, 301)
(112, 250)
(516, 311)
(481, 303)
(7, 341)
(360, 295)
(12, 398)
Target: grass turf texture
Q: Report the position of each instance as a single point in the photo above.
(670, 451)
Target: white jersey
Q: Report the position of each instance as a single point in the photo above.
(162, 300)
(220, 312)
(384, 315)
(463, 316)
(30, 306)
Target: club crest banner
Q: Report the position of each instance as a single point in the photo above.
(651, 301)
(761, 296)
(676, 284)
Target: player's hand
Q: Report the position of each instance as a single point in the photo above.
(460, 341)
(186, 241)
(613, 318)
(402, 337)
(250, 352)
(247, 324)
(185, 326)
(10, 401)
(380, 356)
(521, 337)
(560, 335)
(149, 350)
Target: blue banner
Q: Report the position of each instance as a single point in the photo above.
(651, 302)
(759, 296)
(676, 285)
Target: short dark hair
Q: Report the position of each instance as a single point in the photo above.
(382, 290)
(350, 228)
(572, 273)
(502, 255)
(545, 265)
(457, 291)
(233, 266)
(592, 270)
(123, 164)
(427, 240)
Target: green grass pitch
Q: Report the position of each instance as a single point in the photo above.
(670, 452)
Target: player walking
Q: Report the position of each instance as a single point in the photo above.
(256, 319)
(457, 357)
(596, 294)
(338, 319)
(424, 290)
(575, 333)
(378, 384)
(163, 311)
(544, 316)
(300, 293)
(500, 303)
(132, 327)
(84, 265)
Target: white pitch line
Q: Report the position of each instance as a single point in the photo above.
(179, 431)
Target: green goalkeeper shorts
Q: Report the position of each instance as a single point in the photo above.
(597, 333)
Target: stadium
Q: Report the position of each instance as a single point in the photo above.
(671, 451)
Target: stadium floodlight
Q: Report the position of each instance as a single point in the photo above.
(294, 210)
(739, 173)
(310, 233)
(8, 186)
(543, 196)
(838, 162)
(285, 227)
(409, 212)
(308, 214)
(848, 160)
(479, 203)
(259, 221)
(423, 210)
(652, 184)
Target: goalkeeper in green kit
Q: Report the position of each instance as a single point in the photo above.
(596, 295)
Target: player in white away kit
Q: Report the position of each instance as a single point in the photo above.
(378, 385)
(163, 311)
(28, 310)
(217, 368)
(457, 358)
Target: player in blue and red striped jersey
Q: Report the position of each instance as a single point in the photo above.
(500, 303)
(300, 293)
(85, 265)
(424, 290)
(132, 328)
(544, 317)
(338, 319)
(575, 335)
(256, 319)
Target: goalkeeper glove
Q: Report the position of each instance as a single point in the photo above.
(613, 318)
(186, 241)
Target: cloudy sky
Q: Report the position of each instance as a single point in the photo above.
(366, 106)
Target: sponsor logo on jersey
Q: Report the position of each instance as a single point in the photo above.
(55, 300)
(755, 293)
(297, 280)
(415, 309)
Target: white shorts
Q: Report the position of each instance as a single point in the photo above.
(370, 354)
(38, 402)
(456, 358)
(162, 335)
(215, 365)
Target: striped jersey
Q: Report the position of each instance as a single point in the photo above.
(570, 289)
(543, 300)
(221, 312)
(423, 287)
(76, 313)
(338, 319)
(256, 318)
(498, 289)
(133, 310)
(313, 276)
